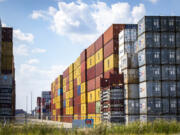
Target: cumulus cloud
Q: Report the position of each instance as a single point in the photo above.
(34, 79)
(38, 50)
(82, 22)
(21, 50)
(19, 35)
(33, 61)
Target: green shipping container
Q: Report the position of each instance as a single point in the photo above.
(98, 107)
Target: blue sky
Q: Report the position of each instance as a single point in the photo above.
(50, 34)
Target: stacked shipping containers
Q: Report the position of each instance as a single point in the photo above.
(57, 99)
(7, 73)
(158, 59)
(38, 108)
(45, 105)
(128, 65)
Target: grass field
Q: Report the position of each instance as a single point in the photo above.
(157, 127)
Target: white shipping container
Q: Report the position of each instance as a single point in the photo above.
(130, 76)
(131, 91)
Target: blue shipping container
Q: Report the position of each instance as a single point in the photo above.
(79, 90)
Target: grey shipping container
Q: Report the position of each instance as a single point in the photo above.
(149, 73)
(131, 91)
(149, 40)
(131, 118)
(178, 72)
(126, 48)
(168, 56)
(173, 106)
(130, 76)
(178, 39)
(178, 56)
(178, 106)
(132, 106)
(150, 89)
(168, 88)
(178, 88)
(165, 105)
(129, 61)
(168, 23)
(177, 24)
(168, 72)
(150, 106)
(168, 39)
(149, 56)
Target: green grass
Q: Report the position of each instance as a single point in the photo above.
(157, 127)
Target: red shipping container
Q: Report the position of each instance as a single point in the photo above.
(83, 56)
(83, 66)
(90, 50)
(113, 32)
(77, 109)
(77, 100)
(91, 84)
(91, 73)
(67, 86)
(112, 71)
(83, 77)
(99, 68)
(112, 47)
(64, 95)
(92, 108)
(98, 81)
(67, 79)
(71, 102)
(99, 43)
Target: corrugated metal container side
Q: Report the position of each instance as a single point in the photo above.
(83, 108)
(177, 39)
(130, 76)
(150, 89)
(77, 109)
(168, 56)
(128, 61)
(178, 56)
(99, 68)
(168, 72)
(169, 89)
(98, 107)
(83, 76)
(131, 91)
(149, 40)
(167, 23)
(112, 32)
(178, 89)
(91, 73)
(173, 106)
(83, 87)
(91, 84)
(83, 56)
(178, 72)
(99, 43)
(132, 118)
(92, 108)
(83, 66)
(99, 55)
(98, 94)
(168, 39)
(112, 71)
(83, 98)
(98, 81)
(90, 50)
(150, 73)
(91, 96)
(132, 106)
(149, 56)
(112, 47)
(7, 34)
(111, 62)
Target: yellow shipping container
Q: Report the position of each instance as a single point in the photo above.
(58, 105)
(83, 117)
(64, 82)
(71, 110)
(64, 89)
(98, 119)
(83, 87)
(71, 94)
(75, 117)
(59, 118)
(71, 85)
(92, 116)
(78, 80)
(98, 94)
(59, 82)
(91, 62)
(91, 96)
(83, 108)
(67, 110)
(58, 99)
(67, 95)
(71, 76)
(67, 102)
(71, 68)
(54, 112)
(75, 73)
(53, 100)
(83, 98)
(111, 62)
(99, 56)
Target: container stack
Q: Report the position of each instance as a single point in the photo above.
(7, 73)
(83, 85)
(112, 99)
(57, 99)
(91, 82)
(45, 109)
(128, 65)
(158, 59)
(38, 109)
(77, 89)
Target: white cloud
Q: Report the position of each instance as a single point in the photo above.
(30, 78)
(153, 1)
(33, 61)
(82, 22)
(19, 35)
(21, 50)
(38, 50)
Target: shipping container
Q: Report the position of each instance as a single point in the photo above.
(91, 73)
(178, 39)
(169, 89)
(168, 72)
(126, 48)
(99, 68)
(112, 71)
(131, 91)
(98, 107)
(91, 61)
(83, 108)
(83, 56)
(90, 50)
(150, 73)
(83, 76)
(98, 94)
(7, 34)
(83, 87)
(112, 32)
(150, 89)
(131, 106)
(99, 43)
(168, 39)
(131, 118)
(99, 56)
(178, 89)
(91, 108)
(111, 62)
(91, 96)
(91, 84)
(167, 24)
(112, 47)
(130, 76)
(98, 80)
(83, 98)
